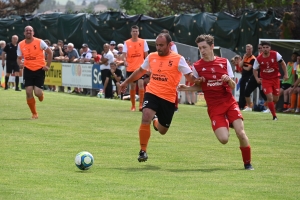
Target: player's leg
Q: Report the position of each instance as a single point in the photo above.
(29, 85)
(39, 84)
(17, 74)
(268, 89)
(8, 72)
(286, 99)
(141, 93)
(235, 117)
(298, 100)
(132, 93)
(251, 86)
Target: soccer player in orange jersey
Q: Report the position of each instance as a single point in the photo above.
(31, 49)
(135, 50)
(215, 74)
(166, 69)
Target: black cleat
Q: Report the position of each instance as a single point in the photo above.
(18, 90)
(248, 167)
(275, 118)
(154, 118)
(143, 157)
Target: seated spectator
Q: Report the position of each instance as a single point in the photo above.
(112, 46)
(116, 77)
(190, 95)
(86, 54)
(72, 53)
(58, 53)
(95, 57)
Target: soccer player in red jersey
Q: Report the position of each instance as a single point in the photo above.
(215, 75)
(267, 62)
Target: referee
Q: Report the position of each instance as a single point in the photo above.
(10, 50)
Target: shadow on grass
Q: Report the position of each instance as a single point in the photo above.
(136, 169)
(15, 119)
(195, 170)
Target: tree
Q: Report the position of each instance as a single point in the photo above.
(83, 3)
(70, 6)
(296, 10)
(47, 5)
(17, 7)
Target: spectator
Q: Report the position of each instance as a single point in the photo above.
(106, 59)
(246, 65)
(285, 87)
(112, 46)
(119, 60)
(72, 53)
(236, 61)
(58, 53)
(95, 57)
(2, 45)
(116, 77)
(295, 89)
(86, 54)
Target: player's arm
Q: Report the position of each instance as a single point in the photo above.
(20, 57)
(49, 59)
(195, 87)
(283, 66)
(228, 78)
(255, 71)
(146, 49)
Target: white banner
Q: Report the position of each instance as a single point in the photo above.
(77, 75)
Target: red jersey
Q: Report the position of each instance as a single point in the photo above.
(268, 66)
(215, 90)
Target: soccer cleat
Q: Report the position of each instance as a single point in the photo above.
(266, 111)
(297, 110)
(290, 110)
(143, 157)
(132, 108)
(248, 167)
(247, 109)
(34, 116)
(275, 118)
(17, 89)
(153, 119)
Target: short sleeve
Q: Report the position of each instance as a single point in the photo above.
(146, 48)
(145, 64)
(183, 67)
(229, 69)
(43, 45)
(256, 65)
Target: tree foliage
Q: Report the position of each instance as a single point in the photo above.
(18, 7)
(159, 8)
(46, 6)
(70, 6)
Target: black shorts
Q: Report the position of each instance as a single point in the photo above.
(12, 66)
(34, 78)
(285, 86)
(142, 77)
(164, 109)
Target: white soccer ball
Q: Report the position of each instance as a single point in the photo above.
(84, 160)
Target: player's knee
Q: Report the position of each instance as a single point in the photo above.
(223, 140)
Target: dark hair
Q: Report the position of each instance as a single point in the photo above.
(47, 41)
(134, 27)
(262, 43)
(296, 53)
(167, 36)
(208, 38)
(60, 41)
(164, 31)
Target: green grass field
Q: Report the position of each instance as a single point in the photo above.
(37, 156)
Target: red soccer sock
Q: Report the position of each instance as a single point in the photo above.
(144, 133)
(31, 104)
(272, 108)
(132, 97)
(298, 101)
(246, 154)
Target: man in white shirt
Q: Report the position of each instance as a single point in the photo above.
(86, 54)
(106, 59)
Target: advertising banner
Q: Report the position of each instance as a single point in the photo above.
(77, 75)
(54, 75)
(96, 79)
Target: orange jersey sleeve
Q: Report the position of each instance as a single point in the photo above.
(33, 55)
(135, 54)
(165, 75)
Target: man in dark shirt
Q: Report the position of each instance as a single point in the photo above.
(116, 76)
(10, 55)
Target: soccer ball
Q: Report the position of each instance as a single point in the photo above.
(84, 160)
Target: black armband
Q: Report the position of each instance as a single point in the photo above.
(280, 61)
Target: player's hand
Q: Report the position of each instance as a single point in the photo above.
(21, 65)
(258, 80)
(125, 63)
(199, 80)
(182, 87)
(123, 87)
(112, 71)
(286, 77)
(225, 78)
(46, 68)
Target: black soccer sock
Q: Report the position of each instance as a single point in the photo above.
(6, 81)
(17, 82)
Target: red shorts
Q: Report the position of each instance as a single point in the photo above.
(271, 86)
(189, 83)
(223, 114)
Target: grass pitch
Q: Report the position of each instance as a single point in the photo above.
(37, 156)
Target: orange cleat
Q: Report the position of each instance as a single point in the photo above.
(34, 116)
